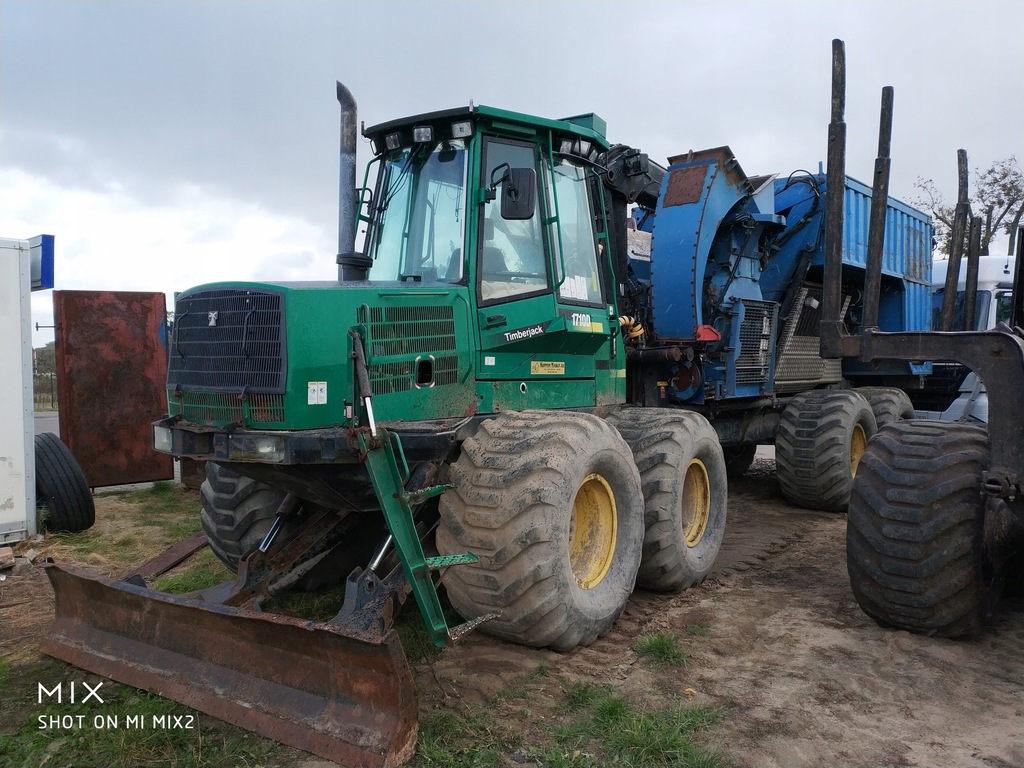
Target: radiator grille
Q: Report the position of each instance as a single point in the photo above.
(387, 378)
(411, 330)
(227, 407)
(229, 340)
(800, 363)
(757, 335)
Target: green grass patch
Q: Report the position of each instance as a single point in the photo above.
(457, 740)
(661, 650)
(698, 629)
(192, 581)
(5, 671)
(609, 729)
(579, 694)
(128, 728)
(138, 526)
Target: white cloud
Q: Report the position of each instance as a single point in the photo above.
(105, 240)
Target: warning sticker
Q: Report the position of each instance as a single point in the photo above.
(545, 368)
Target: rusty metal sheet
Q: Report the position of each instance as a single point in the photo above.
(310, 685)
(168, 558)
(685, 185)
(111, 379)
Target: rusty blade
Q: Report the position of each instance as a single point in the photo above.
(305, 684)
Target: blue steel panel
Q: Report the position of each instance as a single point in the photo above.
(677, 268)
(689, 213)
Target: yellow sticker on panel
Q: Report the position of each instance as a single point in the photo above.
(545, 368)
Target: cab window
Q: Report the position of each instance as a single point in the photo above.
(577, 241)
(511, 259)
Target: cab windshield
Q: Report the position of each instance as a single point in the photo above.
(421, 204)
(981, 310)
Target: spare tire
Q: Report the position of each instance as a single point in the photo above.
(61, 487)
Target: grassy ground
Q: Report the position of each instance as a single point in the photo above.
(593, 725)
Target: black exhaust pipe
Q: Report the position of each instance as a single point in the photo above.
(351, 264)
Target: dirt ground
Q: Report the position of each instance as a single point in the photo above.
(774, 637)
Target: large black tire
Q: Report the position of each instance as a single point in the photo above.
(61, 487)
(888, 404)
(685, 485)
(821, 437)
(914, 538)
(237, 512)
(552, 505)
(738, 459)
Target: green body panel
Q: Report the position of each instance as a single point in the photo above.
(400, 325)
(498, 396)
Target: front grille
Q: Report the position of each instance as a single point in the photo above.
(213, 407)
(757, 335)
(229, 339)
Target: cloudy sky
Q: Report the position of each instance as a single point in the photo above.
(166, 144)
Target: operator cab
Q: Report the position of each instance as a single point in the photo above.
(507, 210)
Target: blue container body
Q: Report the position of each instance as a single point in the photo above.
(905, 303)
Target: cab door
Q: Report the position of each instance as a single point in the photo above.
(583, 295)
(525, 358)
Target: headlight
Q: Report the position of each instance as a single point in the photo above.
(263, 448)
(162, 439)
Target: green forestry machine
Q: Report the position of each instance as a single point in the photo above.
(498, 390)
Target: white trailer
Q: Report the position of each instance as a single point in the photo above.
(25, 265)
(995, 289)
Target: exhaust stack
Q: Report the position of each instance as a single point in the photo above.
(351, 265)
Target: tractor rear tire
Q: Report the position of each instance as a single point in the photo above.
(738, 459)
(821, 437)
(914, 539)
(552, 505)
(61, 487)
(237, 512)
(685, 484)
(887, 403)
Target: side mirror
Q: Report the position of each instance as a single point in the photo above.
(518, 191)
(519, 194)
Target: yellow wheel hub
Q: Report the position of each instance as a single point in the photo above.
(592, 532)
(696, 500)
(858, 442)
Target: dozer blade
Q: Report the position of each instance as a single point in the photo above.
(318, 687)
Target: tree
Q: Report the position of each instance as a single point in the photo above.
(997, 196)
(46, 358)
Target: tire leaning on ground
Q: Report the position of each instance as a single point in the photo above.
(914, 537)
(552, 505)
(61, 486)
(237, 512)
(738, 459)
(821, 437)
(685, 486)
(887, 403)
